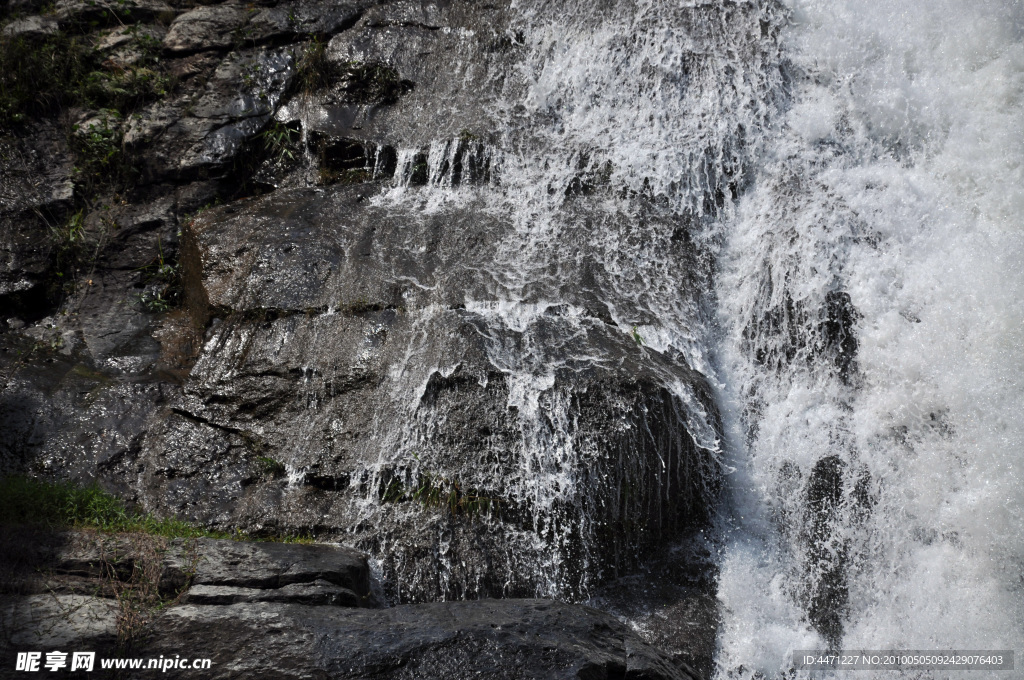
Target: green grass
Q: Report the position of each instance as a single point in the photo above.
(431, 491)
(314, 72)
(41, 77)
(24, 500)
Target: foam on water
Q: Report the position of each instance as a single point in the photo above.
(895, 178)
(618, 139)
(853, 196)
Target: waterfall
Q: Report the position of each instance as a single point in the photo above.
(870, 301)
(814, 205)
(618, 139)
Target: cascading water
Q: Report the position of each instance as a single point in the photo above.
(870, 296)
(619, 133)
(811, 203)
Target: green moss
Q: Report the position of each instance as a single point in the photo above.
(270, 467)
(432, 491)
(24, 500)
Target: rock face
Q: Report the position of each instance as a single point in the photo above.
(208, 569)
(513, 639)
(264, 611)
(496, 638)
(265, 266)
(345, 344)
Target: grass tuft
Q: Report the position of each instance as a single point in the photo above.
(432, 491)
(24, 500)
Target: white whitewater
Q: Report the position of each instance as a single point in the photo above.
(896, 177)
(877, 146)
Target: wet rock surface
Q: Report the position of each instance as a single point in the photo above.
(496, 638)
(274, 610)
(223, 571)
(214, 303)
(499, 638)
(338, 328)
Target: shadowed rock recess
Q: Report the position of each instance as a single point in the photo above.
(259, 271)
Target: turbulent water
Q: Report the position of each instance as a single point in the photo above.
(892, 184)
(847, 175)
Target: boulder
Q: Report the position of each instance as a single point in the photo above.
(497, 639)
(266, 610)
(56, 622)
(509, 639)
(255, 565)
(207, 27)
(304, 17)
(31, 27)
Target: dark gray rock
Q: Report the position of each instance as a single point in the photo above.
(317, 593)
(498, 639)
(346, 345)
(276, 565)
(303, 17)
(212, 571)
(36, 193)
(671, 602)
(285, 620)
(507, 640)
(348, 366)
(207, 27)
(55, 622)
(65, 417)
(31, 27)
(434, 50)
(207, 129)
(122, 45)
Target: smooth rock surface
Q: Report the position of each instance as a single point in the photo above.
(520, 639)
(206, 28)
(247, 564)
(55, 622)
(318, 592)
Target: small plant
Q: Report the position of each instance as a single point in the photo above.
(155, 302)
(315, 71)
(280, 141)
(150, 45)
(38, 78)
(431, 491)
(99, 155)
(138, 595)
(636, 337)
(270, 467)
(72, 232)
(162, 279)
